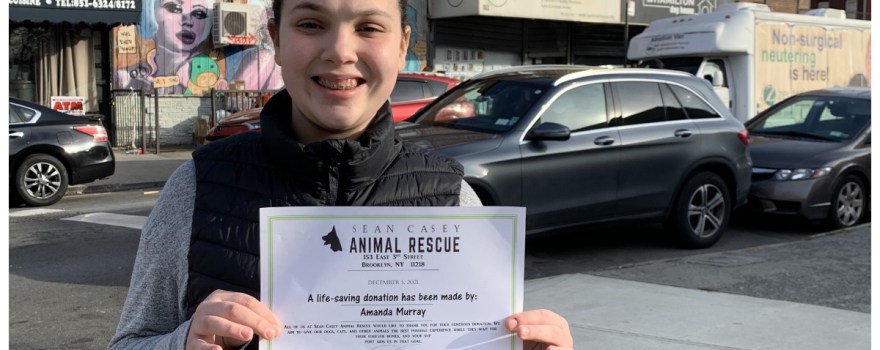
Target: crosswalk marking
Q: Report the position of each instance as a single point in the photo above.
(33, 212)
(123, 220)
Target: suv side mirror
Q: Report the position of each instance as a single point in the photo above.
(549, 131)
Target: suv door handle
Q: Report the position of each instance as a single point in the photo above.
(683, 133)
(16, 134)
(603, 141)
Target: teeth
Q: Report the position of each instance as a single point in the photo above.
(346, 84)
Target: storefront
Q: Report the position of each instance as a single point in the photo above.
(61, 48)
(470, 37)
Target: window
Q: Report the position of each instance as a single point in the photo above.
(13, 116)
(22, 115)
(486, 105)
(581, 108)
(816, 116)
(693, 105)
(713, 69)
(640, 102)
(674, 111)
(408, 90)
(437, 87)
(793, 115)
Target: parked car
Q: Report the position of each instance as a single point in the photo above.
(812, 156)
(411, 92)
(50, 150)
(579, 145)
(415, 90)
(239, 122)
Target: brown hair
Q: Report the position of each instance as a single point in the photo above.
(277, 4)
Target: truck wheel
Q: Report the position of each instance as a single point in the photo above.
(847, 202)
(40, 180)
(701, 211)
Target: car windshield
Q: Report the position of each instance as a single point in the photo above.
(815, 117)
(493, 105)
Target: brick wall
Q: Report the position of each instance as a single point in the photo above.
(176, 117)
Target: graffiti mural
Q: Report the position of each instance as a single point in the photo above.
(172, 50)
(417, 54)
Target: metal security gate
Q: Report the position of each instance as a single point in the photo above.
(227, 102)
(130, 124)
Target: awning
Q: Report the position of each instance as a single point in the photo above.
(75, 11)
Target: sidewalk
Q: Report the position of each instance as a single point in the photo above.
(138, 171)
(620, 314)
(612, 312)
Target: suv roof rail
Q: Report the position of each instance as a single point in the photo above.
(429, 74)
(532, 68)
(587, 73)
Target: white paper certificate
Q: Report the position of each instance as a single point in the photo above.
(392, 277)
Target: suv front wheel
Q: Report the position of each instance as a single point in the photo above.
(701, 211)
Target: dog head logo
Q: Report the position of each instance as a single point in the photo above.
(332, 240)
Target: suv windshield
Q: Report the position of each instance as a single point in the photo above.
(487, 105)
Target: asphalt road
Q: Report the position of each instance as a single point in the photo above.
(68, 279)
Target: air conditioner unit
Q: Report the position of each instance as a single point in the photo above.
(236, 24)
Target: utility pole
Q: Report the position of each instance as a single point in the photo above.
(626, 28)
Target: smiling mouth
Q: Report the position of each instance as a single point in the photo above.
(341, 84)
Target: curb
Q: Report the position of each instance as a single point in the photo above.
(91, 189)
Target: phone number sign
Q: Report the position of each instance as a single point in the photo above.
(79, 4)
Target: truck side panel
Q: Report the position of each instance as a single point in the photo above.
(793, 58)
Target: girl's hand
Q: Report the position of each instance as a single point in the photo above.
(541, 330)
(229, 320)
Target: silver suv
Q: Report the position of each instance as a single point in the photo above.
(580, 145)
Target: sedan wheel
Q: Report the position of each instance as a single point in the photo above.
(847, 203)
(702, 211)
(41, 180)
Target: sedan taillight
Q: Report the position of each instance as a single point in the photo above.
(97, 132)
(743, 136)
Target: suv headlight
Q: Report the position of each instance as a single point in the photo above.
(800, 174)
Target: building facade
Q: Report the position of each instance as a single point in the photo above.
(474, 36)
(61, 49)
(189, 48)
(858, 9)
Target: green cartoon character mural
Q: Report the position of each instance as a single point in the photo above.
(204, 75)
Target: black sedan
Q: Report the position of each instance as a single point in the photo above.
(812, 156)
(49, 150)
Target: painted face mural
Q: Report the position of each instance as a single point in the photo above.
(170, 48)
(182, 25)
(174, 37)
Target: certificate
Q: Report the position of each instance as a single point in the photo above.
(392, 277)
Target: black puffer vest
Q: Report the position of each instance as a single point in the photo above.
(239, 175)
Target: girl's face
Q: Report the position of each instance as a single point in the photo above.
(182, 24)
(339, 60)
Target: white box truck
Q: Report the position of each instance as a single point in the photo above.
(754, 57)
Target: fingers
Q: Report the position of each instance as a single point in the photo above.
(230, 318)
(541, 326)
